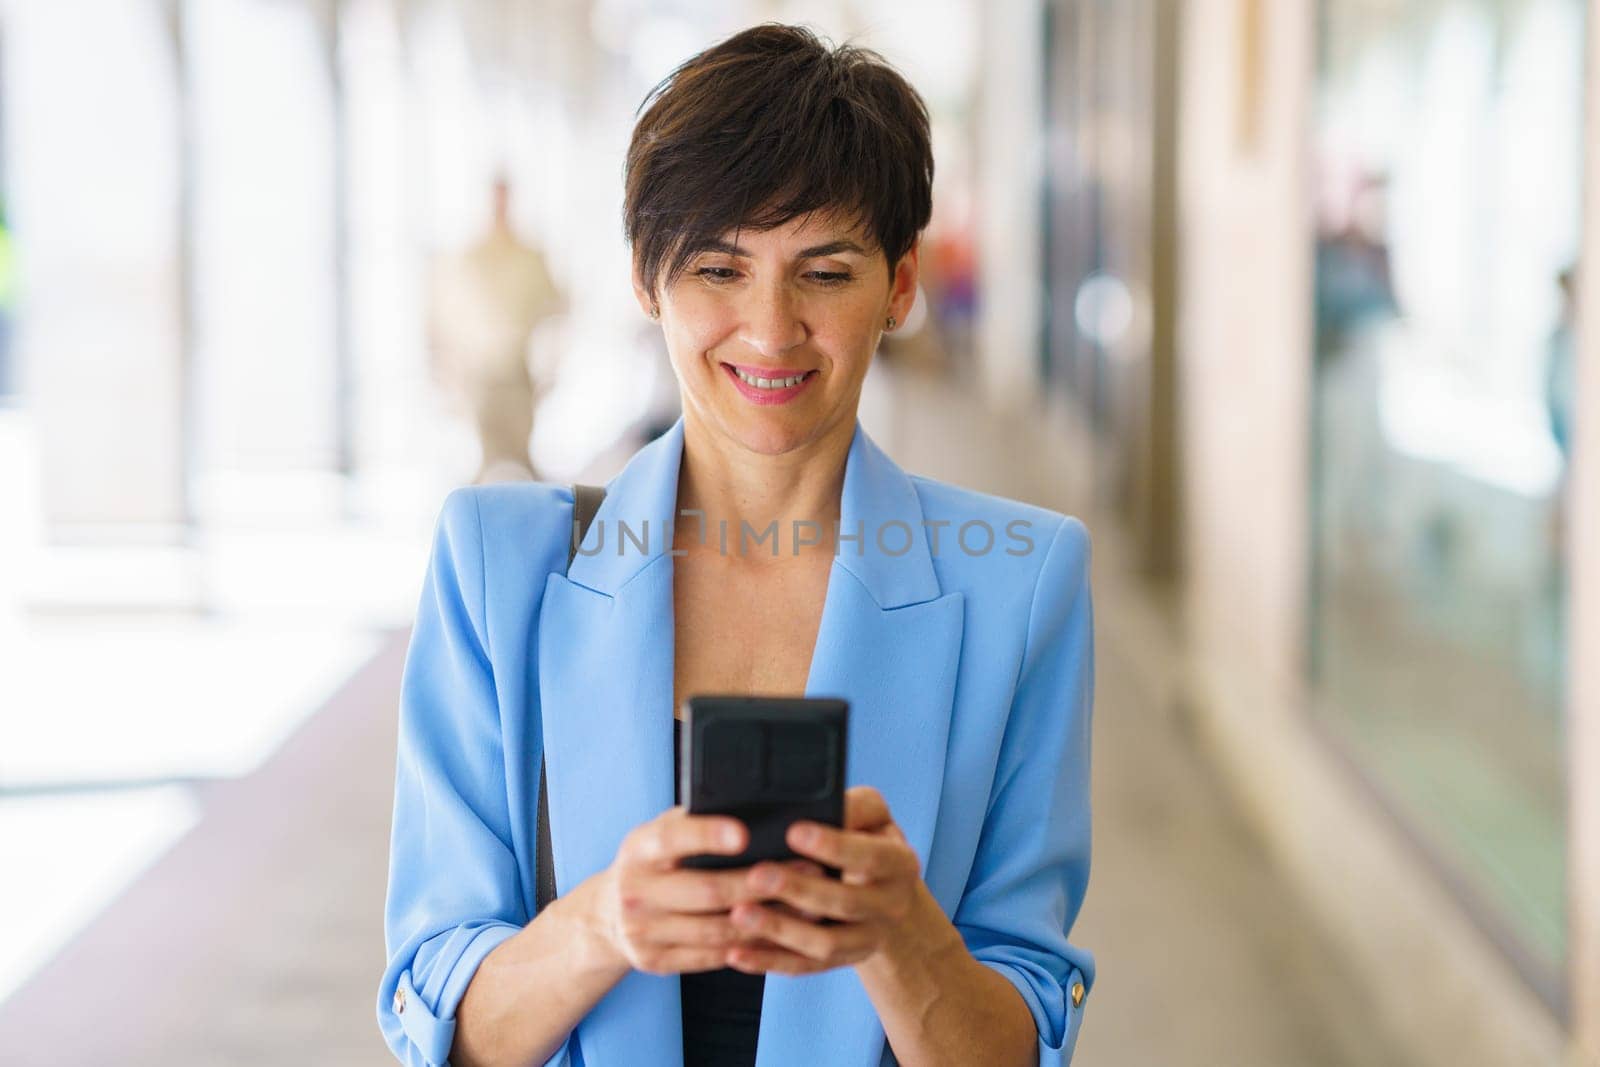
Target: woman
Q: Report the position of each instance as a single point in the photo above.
(776, 189)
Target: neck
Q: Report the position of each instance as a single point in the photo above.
(728, 482)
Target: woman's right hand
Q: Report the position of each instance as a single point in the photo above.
(663, 918)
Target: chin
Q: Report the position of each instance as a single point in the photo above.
(770, 435)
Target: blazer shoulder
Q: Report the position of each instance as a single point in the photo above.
(1022, 533)
(527, 522)
(1017, 585)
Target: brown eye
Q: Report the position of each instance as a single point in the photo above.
(717, 274)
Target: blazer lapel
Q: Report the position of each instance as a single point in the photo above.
(889, 643)
(605, 661)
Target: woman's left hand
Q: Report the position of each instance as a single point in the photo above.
(880, 876)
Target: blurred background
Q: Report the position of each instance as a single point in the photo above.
(1285, 299)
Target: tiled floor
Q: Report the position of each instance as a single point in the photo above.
(257, 939)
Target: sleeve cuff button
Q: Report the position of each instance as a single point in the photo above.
(399, 1001)
(1077, 994)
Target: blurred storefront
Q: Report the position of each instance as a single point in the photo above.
(1312, 303)
(1380, 218)
(1448, 162)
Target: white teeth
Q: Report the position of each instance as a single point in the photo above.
(769, 383)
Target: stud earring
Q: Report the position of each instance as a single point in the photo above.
(655, 311)
(890, 324)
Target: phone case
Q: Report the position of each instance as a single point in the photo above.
(768, 761)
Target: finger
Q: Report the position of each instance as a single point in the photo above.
(865, 808)
(818, 895)
(805, 867)
(827, 944)
(668, 838)
(686, 931)
(789, 909)
(681, 960)
(863, 857)
(754, 960)
(684, 889)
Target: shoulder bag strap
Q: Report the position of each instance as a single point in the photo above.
(585, 503)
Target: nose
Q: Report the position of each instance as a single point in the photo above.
(772, 323)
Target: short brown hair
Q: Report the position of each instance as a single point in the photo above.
(767, 126)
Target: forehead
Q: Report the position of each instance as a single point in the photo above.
(812, 230)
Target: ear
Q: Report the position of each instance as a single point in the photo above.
(641, 293)
(903, 286)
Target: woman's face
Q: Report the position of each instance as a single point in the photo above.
(771, 332)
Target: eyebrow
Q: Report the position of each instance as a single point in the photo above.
(831, 248)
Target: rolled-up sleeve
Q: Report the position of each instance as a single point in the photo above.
(454, 891)
(1032, 864)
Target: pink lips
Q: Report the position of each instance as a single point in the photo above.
(768, 396)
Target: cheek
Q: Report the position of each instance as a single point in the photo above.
(699, 325)
(847, 339)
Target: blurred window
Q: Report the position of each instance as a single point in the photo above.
(1448, 181)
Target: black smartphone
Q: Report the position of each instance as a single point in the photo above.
(768, 761)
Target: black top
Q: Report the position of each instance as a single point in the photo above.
(721, 1008)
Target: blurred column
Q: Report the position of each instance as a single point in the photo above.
(1109, 270)
(96, 187)
(1010, 125)
(188, 421)
(385, 175)
(1158, 479)
(267, 294)
(330, 16)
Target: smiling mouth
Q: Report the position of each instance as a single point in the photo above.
(771, 379)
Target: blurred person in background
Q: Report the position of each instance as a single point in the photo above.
(776, 191)
(1560, 396)
(953, 282)
(1561, 376)
(1354, 281)
(1358, 314)
(483, 305)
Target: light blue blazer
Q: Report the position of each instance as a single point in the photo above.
(970, 677)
